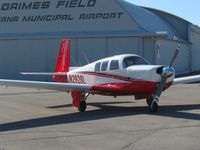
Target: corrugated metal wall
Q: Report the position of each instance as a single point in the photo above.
(164, 53)
(195, 51)
(86, 50)
(149, 49)
(27, 55)
(39, 55)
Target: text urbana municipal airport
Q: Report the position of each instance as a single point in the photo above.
(61, 17)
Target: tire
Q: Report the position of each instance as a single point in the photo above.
(154, 107)
(83, 106)
(149, 100)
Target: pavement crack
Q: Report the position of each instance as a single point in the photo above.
(127, 146)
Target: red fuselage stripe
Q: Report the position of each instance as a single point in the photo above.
(132, 87)
(105, 75)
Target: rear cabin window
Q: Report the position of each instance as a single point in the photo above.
(114, 65)
(104, 66)
(97, 67)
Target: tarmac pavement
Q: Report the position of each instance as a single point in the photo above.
(44, 120)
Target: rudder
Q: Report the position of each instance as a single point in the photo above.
(63, 61)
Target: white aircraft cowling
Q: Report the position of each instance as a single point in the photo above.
(146, 73)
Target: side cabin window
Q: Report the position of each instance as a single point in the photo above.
(104, 66)
(97, 67)
(134, 60)
(114, 65)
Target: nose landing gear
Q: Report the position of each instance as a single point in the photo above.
(152, 102)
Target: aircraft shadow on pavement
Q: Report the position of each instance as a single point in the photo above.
(106, 111)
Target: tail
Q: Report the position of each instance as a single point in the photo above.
(63, 61)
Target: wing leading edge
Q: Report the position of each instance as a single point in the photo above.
(186, 79)
(66, 87)
(70, 87)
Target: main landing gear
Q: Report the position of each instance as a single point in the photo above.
(152, 102)
(83, 104)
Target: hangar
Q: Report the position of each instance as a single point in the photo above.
(31, 31)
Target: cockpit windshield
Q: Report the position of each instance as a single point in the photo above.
(134, 60)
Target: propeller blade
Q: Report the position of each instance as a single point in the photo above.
(161, 86)
(175, 55)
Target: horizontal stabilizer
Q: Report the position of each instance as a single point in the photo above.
(48, 73)
(44, 73)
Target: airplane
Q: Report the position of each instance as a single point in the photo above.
(120, 75)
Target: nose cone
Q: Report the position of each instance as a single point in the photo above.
(160, 71)
(168, 72)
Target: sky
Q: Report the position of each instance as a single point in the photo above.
(186, 9)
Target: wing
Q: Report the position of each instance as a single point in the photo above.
(186, 79)
(67, 87)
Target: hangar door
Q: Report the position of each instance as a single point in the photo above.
(149, 50)
(124, 45)
(87, 50)
(164, 53)
(33, 55)
(195, 51)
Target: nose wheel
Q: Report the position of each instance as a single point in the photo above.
(152, 102)
(153, 107)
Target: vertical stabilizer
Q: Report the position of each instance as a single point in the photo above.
(63, 61)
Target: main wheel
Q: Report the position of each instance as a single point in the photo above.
(149, 100)
(153, 107)
(83, 106)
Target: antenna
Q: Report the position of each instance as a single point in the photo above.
(86, 58)
(74, 61)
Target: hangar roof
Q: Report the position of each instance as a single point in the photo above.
(156, 21)
(89, 18)
(196, 29)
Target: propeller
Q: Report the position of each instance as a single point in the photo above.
(165, 73)
(175, 55)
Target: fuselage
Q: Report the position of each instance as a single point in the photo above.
(119, 75)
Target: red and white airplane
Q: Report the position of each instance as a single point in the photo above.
(121, 75)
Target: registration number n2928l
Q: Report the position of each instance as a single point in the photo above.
(79, 79)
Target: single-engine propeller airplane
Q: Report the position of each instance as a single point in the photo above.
(121, 75)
